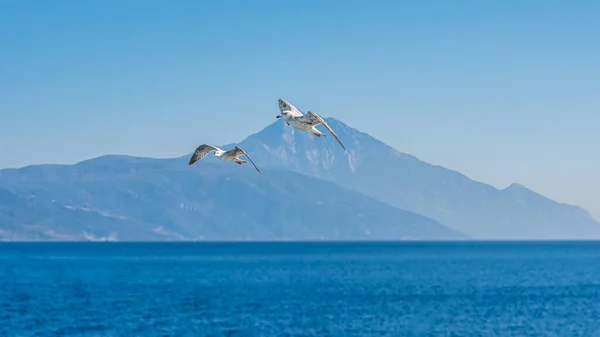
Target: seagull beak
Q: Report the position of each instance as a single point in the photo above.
(278, 116)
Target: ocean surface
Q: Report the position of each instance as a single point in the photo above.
(300, 289)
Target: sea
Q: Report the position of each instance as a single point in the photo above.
(300, 289)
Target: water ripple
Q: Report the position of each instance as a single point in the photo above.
(148, 291)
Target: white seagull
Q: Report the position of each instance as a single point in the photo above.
(231, 155)
(307, 123)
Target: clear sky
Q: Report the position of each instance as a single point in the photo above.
(502, 91)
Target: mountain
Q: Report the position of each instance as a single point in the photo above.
(373, 168)
(311, 189)
(131, 198)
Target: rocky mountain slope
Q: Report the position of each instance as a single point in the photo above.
(129, 198)
(373, 168)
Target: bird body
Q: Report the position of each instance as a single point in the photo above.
(306, 123)
(228, 156)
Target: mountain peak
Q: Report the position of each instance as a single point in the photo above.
(516, 186)
(348, 135)
(373, 168)
(280, 146)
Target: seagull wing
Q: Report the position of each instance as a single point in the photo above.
(295, 112)
(237, 151)
(315, 119)
(292, 109)
(201, 151)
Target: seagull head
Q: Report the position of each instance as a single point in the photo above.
(283, 114)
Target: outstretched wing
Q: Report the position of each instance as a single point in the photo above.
(237, 151)
(315, 119)
(200, 152)
(286, 106)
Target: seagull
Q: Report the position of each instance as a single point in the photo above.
(307, 123)
(231, 155)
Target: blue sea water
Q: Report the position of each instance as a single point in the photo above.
(300, 289)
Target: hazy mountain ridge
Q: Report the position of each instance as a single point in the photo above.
(107, 187)
(373, 168)
(130, 198)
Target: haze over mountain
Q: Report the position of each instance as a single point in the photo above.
(131, 198)
(373, 168)
(310, 189)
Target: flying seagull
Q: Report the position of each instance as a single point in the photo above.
(231, 155)
(307, 123)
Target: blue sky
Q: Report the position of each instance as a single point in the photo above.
(503, 91)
